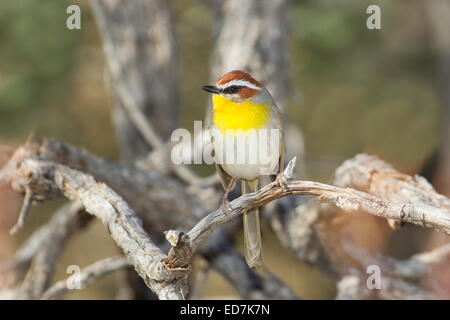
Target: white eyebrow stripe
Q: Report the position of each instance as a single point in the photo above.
(243, 83)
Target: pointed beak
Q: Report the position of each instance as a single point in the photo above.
(212, 89)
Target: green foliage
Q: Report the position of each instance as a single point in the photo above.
(37, 52)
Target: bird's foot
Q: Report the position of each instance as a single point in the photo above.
(225, 206)
(280, 181)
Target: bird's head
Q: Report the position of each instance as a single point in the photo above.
(237, 86)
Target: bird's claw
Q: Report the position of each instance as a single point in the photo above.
(281, 182)
(225, 206)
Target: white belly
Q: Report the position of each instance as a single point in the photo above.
(248, 156)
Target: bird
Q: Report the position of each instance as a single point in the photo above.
(242, 109)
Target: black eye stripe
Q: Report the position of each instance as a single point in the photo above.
(232, 89)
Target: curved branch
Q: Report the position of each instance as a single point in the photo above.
(166, 275)
(184, 245)
(49, 180)
(88, 275)
(23, 212)
(150, 194)
(67, 220)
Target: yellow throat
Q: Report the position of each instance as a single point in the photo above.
(229, 115)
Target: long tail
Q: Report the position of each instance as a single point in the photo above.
(252, 232)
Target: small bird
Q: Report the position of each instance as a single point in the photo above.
(241, 105)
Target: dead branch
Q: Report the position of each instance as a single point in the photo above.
(246, 282)
(297, 224)
(143, 87)
(67, 220)
(141, 55)
(88, 276)
(400, 279)
(151, 195)
(184, 245)
(23, 212)
(49, 180)
(375, 176)
(48, 240)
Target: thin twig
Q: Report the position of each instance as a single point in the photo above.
(120, 220)
(87, 276)
(137, 117)
(404, 279)
(164, 274)
(67, 219)
(346, 199)
(43, 247)
(23, 211)
(151, 194)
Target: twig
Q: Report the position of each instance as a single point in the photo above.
(119, 219)
(87, 276)
(140, 122)
(66, 220)
(437, 255)
(130, 103)
(346, 199)
(23, 211)
(48, 180)
(372, 175)
(296, 223)
(138, 118)
(151, 194)
(405, 279)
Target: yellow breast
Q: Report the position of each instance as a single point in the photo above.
(229, 115)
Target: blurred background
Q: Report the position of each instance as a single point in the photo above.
(350, 90)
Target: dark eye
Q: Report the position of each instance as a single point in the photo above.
(233, 89)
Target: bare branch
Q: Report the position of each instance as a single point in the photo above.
(48, 240)
(140, 50)
(186, 244)
(346, 199)
(137, 117)
(88, 276)
(23, 211)
(186, 175)
(49, 180)
(151, 194)
(297, 224)
(248, 284)
(68, 219)
(372, 175)
(305, 229)
(75, 184)
(139, 98)
(402, 279)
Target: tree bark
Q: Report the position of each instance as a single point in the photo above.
(141, 55)
(253, 36)
(439, 26)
